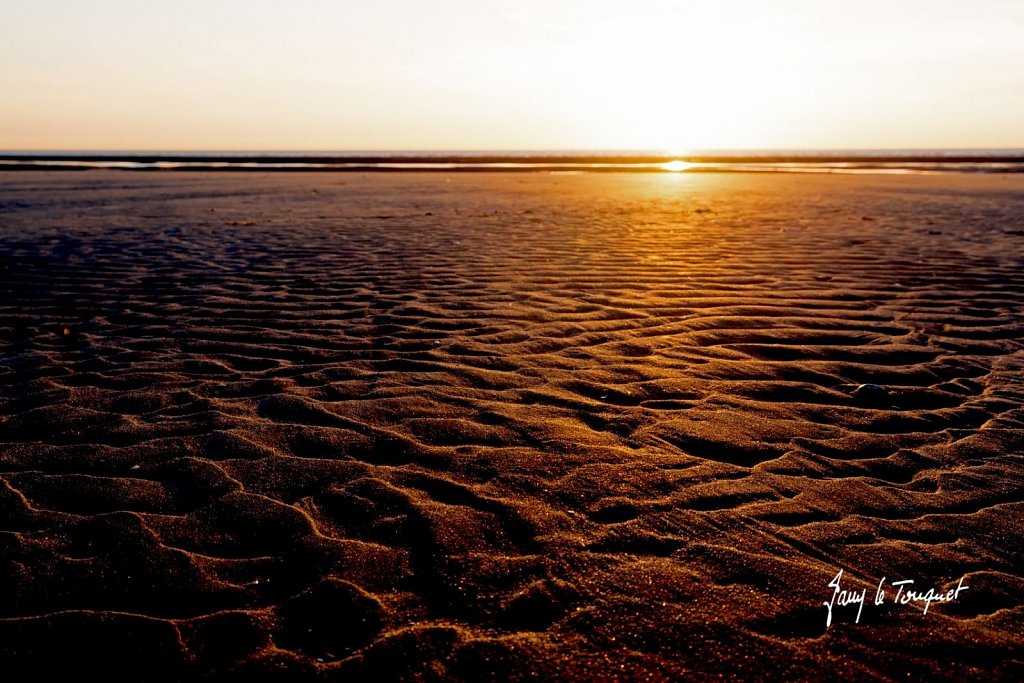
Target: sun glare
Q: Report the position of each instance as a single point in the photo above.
(658, 91)
(676, 166)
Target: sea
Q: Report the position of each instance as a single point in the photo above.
(874, 161)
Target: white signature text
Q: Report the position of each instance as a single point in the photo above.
(905, 593)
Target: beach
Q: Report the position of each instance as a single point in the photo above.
(511, 426)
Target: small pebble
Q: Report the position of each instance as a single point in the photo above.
(870, 393)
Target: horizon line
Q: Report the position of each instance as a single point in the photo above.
(492, 150)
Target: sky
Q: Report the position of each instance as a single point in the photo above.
(510, 75)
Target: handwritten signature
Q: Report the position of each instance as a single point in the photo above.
(905, 594)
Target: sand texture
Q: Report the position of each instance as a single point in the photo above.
(509, 427)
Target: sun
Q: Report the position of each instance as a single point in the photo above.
(675, 166)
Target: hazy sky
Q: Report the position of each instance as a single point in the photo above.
(505, 74)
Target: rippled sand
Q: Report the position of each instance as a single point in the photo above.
(481, 427)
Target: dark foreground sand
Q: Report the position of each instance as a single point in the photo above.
(521, 427)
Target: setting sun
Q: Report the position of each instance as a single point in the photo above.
(677, 166)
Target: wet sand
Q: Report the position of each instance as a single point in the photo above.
(510, 427)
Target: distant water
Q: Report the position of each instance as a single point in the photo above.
(581, 161)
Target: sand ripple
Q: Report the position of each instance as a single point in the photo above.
(508, 427)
